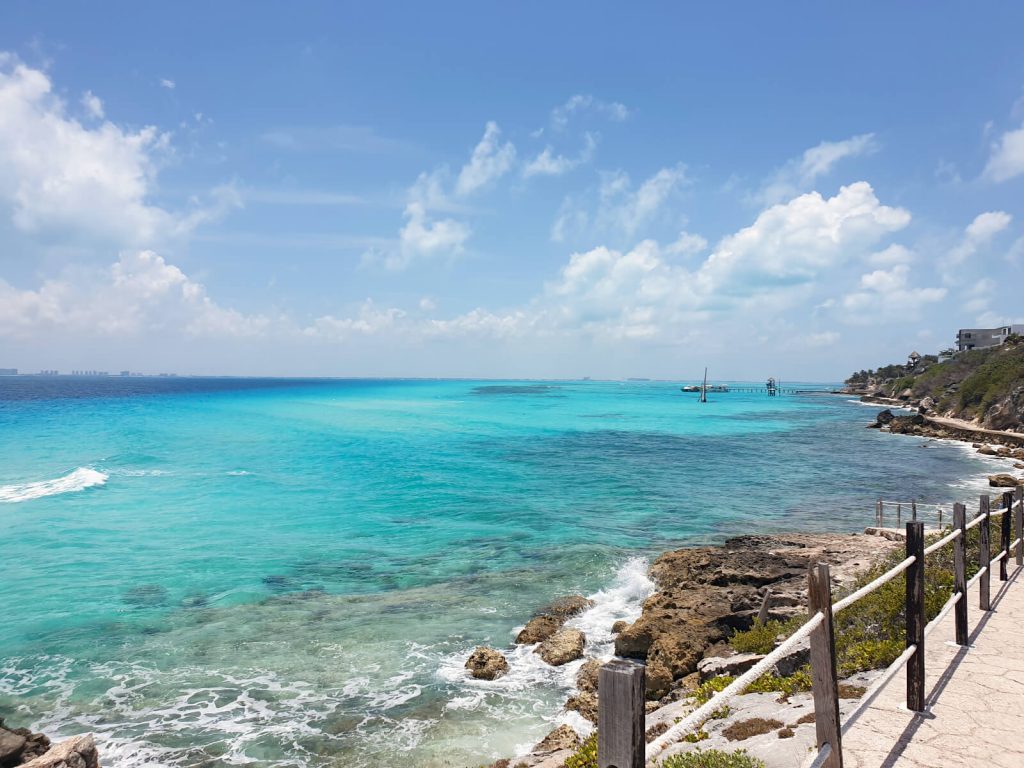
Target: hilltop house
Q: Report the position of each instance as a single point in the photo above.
(977, 338)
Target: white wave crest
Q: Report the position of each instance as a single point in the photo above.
(79, 480)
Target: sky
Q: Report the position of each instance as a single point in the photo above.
(544, 190)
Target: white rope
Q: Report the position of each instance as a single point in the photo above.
(997, 558)
(731, 691)
(974, 522)
(875, 687)
(1014, 543)
(996, 512)
(942, 542)
(942, 614)
(818, 760)
(892, 573)
(975, 577)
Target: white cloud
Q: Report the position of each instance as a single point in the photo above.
(980, 295)
(92, 104)
(629, 210)
(168, 84)
(369, 321)
(613, 110)
(792, 243)
(687, 244)
(61, 179)
(140, 293)
(884, 296)
(977, 234)
(490, 161)
(1007, 157)
(800, 173)
(894, 254)
(424, 237)
(547, 163)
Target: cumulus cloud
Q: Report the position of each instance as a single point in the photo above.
(629, 209)
(800, 173)
(885, 295)
(60, 178)
(893, 254)
(368, 321)
(687, 244)
(423, 236)
(490, 161)
(137, 294)
(1006, 158)
(168, 84)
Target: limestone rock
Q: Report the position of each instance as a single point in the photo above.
(20, 745)
(586, 678)
(884, 417)
(566, 607)
(11, 744)
(585, 703)
(619, 625)
(1004, 481)
(486, 663)
(76, 752)
(562, 647)
(539, 629)
(563, 737)
(716, 666)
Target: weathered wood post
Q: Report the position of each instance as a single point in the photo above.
(824, 683)
(913, 509)
(915, 616)
(960, 572)
(940, 518)
(1004, 534)
(984, 552)
(898, 510)
(762, 615)
(620, 715)
(1018, 518)
(879, 513)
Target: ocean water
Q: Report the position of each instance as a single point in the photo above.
(209, 572)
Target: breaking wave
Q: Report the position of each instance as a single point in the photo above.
(79, 480)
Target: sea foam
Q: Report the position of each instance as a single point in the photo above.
(79, 480)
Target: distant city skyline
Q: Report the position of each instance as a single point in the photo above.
(506, 192)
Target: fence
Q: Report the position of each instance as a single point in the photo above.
(901, 511)
(621, 720)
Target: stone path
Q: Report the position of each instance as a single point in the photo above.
(975, 696)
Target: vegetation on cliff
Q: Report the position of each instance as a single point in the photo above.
(982, 384)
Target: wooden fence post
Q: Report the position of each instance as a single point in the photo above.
(913, 510)
(620, 715)
(960, 572)
(984, 552)
(824, 684)
(879, 513)
(1019, 523)
(1004, 534)
(762, 615)
(898, 510)
(915, 616)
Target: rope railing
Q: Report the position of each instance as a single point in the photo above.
(621, 683)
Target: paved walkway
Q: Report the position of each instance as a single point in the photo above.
(975, 696)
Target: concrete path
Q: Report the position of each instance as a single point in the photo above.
(975, 696)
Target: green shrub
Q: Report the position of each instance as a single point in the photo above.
(586, 755)
(712, 758)
(760, 638)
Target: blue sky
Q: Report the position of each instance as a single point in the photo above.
(524, 189)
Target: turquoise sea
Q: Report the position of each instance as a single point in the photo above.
(211, 572)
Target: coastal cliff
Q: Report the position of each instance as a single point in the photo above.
(984, 387)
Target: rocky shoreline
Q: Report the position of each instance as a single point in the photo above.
(25, 749)
(703, 595)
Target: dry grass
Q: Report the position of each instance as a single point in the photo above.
(755, 726)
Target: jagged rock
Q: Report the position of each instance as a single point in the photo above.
(76, 752)
(585, 703)
(928, 403)
(539, 629)
(987, 450)
(563, 737)
(566, 607)
(884, 417)
(562, 647)
(619, 625)
(586, 678)
(907, 424)
(716, 666)
(1004, 481)
(486, 663)
(11, 744)
(1007, 413)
